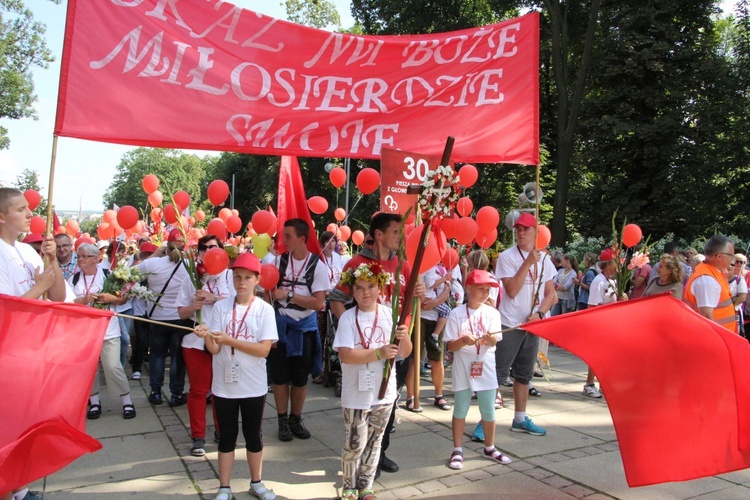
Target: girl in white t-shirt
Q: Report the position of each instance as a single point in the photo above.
(363, 343)
(471, 334)
(239, 334)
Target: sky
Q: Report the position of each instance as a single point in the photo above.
(84, 169)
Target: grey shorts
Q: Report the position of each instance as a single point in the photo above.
(517, 350)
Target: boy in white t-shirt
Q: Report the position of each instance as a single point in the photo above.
(363, 343)
(239, 334)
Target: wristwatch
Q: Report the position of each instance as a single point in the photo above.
(289, 296)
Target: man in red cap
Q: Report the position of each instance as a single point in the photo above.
(527, 276)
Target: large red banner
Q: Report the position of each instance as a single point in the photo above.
(210, 75)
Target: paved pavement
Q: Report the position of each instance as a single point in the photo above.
(149, 457)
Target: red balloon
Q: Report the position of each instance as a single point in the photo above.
(263, 221)
(344, 233)
(448, 226)
(332, 228)
(368, 180)
(104, 231)
(464, 206)
(466, 230)
(487, 219)
(224, 214)
(408, 228)
(72, 227)
(155, 199)
(235, 212)
(169, 214)
(486, 240)
(337, 177)
(234, 224)
(218, 192)
(127, 217)
(200, 215)
(109, 216)
(432, 253)
(181, 200)
(358, 237)
(217, 228)
(450, 258)
(468, 176)
(339, 214)
(150, 183)
(38, 225)
(317, 204)
(543, 236)
(631, 235)
(269, 276)
(115, 227)
(33, 198)
(215, 260)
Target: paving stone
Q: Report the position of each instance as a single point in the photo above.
(454, 481)
(556, 457)
(476, 475)
(556, 481)
(430, 486)
(409, 491)
(538, 473)
(575, 454)
(520, 465)
(576, 490)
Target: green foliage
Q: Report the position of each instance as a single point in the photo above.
(386, 17)
(90, 225)
(315, 13)
(29, 179)
(22, 46)
(176, 170)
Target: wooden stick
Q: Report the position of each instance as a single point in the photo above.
(48, 230)
(170, 325)
(417, 350)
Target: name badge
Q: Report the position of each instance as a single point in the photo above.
(367, 380)
(231, 372)
(476, 369)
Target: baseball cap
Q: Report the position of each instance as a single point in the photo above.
(481, 277)
(148, 247)
(247, 261)
(606, 255)
(174, 235)
(33, 238)
(102, 244)
(83, 239)
(525, 220)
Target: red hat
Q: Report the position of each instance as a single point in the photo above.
(525, 220)
(174, 235)
(148, 247)
(33, 238)
(481, 277)
(248, 261)
(606, 255)
(83, 239)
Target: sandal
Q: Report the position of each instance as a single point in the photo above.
(349, 495)
(442, 403)
(410, 406)
(498, 401)
(128, 412)
(95, 411)
(259, 490)
(367, 495)
(457, 460)
(534, 392)
(496, 456)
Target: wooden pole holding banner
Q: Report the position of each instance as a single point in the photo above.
(153, 321)
(414, 276)
(538, 189)
(50, 190)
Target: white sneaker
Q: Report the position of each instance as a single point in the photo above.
(135, 376)
(591, 391)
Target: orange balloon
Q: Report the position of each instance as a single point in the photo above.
(631, 235)
(109, 216)
(332, 228)
(60, 230)
(200, 215)
(150, 183)
(155, 198)
(344, 233)
(543, 236)
(317, 204)
(191, 221)
(72, 227)
(224, 214)
(468, 176)
(464, 206)
(339, 214)
(235, 212)
(358, 237)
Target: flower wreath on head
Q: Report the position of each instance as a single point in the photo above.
(372, 272)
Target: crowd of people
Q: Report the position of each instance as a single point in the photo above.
(236, 341)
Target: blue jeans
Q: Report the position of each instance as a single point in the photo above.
(166, 341)
(126, 327)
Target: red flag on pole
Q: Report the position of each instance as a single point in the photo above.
(50, 353)
(55, 221)
(292, 203)
(677, 385)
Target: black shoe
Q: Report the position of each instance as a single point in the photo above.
(94, 412)
(285, 431)
(377, 473)
(387, 465)
(180, 400)
(298, 428)
(155, 398)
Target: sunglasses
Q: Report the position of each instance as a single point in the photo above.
(207, 247)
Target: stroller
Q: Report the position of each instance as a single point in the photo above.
(331, 362)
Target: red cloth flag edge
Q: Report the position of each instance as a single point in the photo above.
(652, 357)
(292, 203)
(50, 351)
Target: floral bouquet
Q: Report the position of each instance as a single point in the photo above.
(440, 193)
(121, 281)
(628, 236)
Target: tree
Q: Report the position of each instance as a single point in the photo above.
(29, 179)
(176, 171)
(316, 13)
(22, 46)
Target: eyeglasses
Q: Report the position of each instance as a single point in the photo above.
(87, 256)
(727, 254)
(739, 262)
(207, 247)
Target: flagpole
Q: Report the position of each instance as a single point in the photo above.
(48, 230)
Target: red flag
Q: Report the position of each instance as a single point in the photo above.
(292, 203)
(135, 72)
(677, 385)
(50, 353)
(55, 221)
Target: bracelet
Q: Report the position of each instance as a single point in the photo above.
(377, 354)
